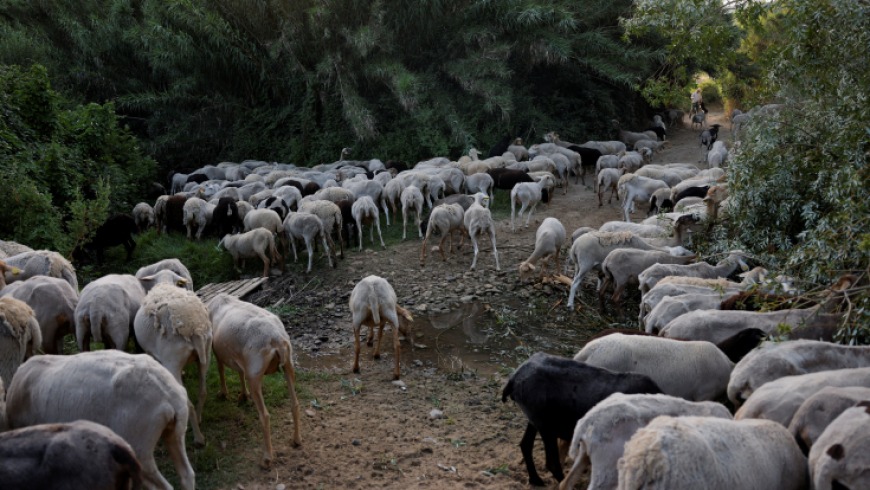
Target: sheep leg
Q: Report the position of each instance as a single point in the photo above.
(527, 443)
(513, 204)
(617, 293)
(612, 192)
(380, 237)
(377, 354)
(494, 251)
(290, 378)
(293, 246)
(551, 452)
(405, 223)
(577, 469)
(150, 473)
(329, 252)
(265, 263)
(359, 231)
(441, 244)
(578, 278)
(223, 379)
(356, 328)
(393, 318)
(370, 337)
(244, 394)
(386, 212)
(522, 209)
(420, 233)
(310, 247)
(256, 383)
(474, 243)
(531, 211)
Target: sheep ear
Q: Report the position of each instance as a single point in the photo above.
(836, 451)
(146, 279)
(15, 271)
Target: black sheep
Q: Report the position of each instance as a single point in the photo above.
(225, 219)
(395, 164)
(348, 224)
(738, 345)
(660, 132)
(656, 207)
(554, 393)
(588, 159)
(198, 178)
(310, 188)
(175, 214)
(499, 148)
(506, 178)
(117, 230)
(698, 191)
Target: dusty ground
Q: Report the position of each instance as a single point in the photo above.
(364, 431)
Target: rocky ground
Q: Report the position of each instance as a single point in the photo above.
(443, 425)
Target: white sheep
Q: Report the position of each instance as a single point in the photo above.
(106, 309)
(669, 176)
(266, 219)
(244, 208)
(9, 248)
(446, 219)
(330, 214)
(365, 212)
(373, 303)
(839, 459)
(631, 137)
(548, 243)
(590, 249)
(774, 360)
(682, 453)
(636, 188)
(696, 371)
(173, 326)
(478, 221)
(195, 215)
(40, 263)
(724, 268)
(173, 265)
(621, 267)
(143, 215)
(678, 286)
(307, 227)
(137, 398)
(528, 195)
(717, 325)
(369, 188)
(79, 454)
(254, 343)
(412, 200)
(780, 399)
(20, 336)
(53, 302)
(643, 231)
(258, 242)
(392, 194)
(520, 152)
(670, 307)
(606, 147)
(630, 161)
(608, 178)
(600, 436)
(481, 182)
(606, 161)
(717, 155)
(818, 411)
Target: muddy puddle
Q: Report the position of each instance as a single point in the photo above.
(474, 338)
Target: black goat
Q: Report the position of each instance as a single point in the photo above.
(175, 214)
(554, 393)
(506, 178)
(117, 230)
(225, 219)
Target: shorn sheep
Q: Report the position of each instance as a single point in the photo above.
(696, 371)
(40, 263)
(79, 454)
(601, 434)
(254, 343)
(554, 393)
(20, 336)
(138, 399)
(307, 227)
(106, 309)
(174, 327)
(446, 219)
(53, 302)
(412, 200)
(365, 212)
(143, 215)
(634, 188)
(258, 242)
(819, 410)
(528, 194)
(478, 221)
(683, 453)
(549, 239)
(373, 303)
(608, 178)
(622, 266)
(841, 456)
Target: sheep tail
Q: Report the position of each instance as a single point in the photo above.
(375, 308)
(95, 321)
(508, 390)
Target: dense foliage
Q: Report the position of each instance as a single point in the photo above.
(203, 81)
(63, 163)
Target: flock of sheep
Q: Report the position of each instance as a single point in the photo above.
(637, 409)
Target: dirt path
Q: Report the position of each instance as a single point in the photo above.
(363, 431)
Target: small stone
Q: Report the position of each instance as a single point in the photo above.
(418, 363)
(310, 412)
(436, 414)
(355, 442)
(280, 486)
(329, 305)
(467, 298)
(400, 384)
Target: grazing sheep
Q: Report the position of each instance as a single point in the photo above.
(637, 188)
(267, 219)
(173, 265)
(138, 399)
(630, 138)
(520, 152)
(608, 178)
(528, 194)
(331, 216)
(106, 309)
(258, 242)
(477, 221)
(643, 231)
(554, 393)
(373, 303)
(621, 267)
(775, 360)
(226, 218)
(53, 302)
(670, 307)
(695, 371)
(369, 188)
(446, 219)
(724, 268)
(392, 194)
(600, 436)
(79, 454)
(780, 399)
(670, 176)
(717, 325)
(412, 199)
(365, 212)
(700, 119)
(506, 178)
(819, 410)
(677, 453)
(10, 248)
(590, 249)
(480, 183)
(195, 215)
(143, 215)
(839, 459)
(39, 263)
(307, 227)
(548, 243)
(20, 336)
(173, 326)
(717, 155)
(606, 147)
(254, 343)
